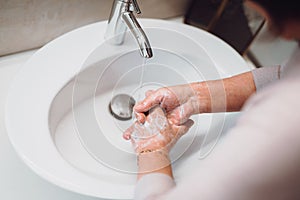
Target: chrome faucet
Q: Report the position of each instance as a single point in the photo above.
(121, 18)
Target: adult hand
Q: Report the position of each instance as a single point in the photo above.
(156, 133)
(182, 101)
(179, 102)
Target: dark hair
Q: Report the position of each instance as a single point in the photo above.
(280, 11)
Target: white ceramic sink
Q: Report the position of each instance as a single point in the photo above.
(57, 112)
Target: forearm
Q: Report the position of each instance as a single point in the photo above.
(227, 94)
(238, 89)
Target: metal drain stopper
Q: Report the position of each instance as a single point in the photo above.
(121, 106)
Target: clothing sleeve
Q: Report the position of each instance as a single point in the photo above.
(152, 186)
(257, 159)
(265, 75)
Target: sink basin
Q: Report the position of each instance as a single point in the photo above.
(57, 113)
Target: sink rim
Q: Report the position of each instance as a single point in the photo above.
(53, 56)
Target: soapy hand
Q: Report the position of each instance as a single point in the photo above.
(157, 133)
(179, 102)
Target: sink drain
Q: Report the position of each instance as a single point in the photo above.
(121, 107)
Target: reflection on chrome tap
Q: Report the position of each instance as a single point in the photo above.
(121, 18)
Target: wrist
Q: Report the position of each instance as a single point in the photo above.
(151, 161)
(202, 96)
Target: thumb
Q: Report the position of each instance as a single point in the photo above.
(180, 114)
(152, 99)
(184, 128)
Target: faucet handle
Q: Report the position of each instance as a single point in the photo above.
(135, 6)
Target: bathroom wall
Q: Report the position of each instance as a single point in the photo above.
(28, 24)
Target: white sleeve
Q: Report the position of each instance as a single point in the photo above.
(258, 159)
(152, 186)
(265, 75)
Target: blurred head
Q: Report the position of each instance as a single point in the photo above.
(283, 16)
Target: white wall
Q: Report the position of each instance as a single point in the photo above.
(28, 24)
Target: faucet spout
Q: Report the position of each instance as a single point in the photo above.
(139, 34)
(120, 19)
